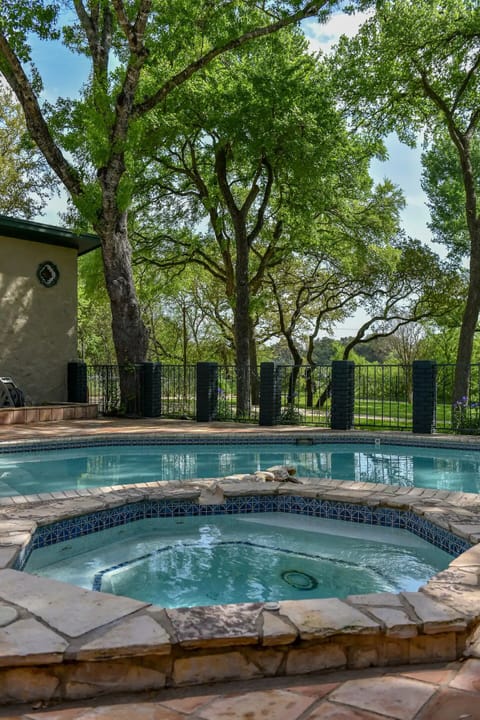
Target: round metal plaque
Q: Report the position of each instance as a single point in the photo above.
(48, 274)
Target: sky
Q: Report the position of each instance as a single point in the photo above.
(64, 73)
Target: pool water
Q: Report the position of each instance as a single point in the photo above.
(258, 557)
(24, 473)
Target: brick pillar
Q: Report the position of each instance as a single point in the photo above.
(424, 378)
(77, 388)
(270, 394)
(207, 391)
(343, 394)
(151, 379)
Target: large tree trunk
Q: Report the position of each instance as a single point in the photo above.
(254, 379)
(472, 306)
(242, 323)
(130, 335)
(295, 372)
(468, 327)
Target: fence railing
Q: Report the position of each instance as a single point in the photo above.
(305, 394)
(100, 386)
(383, 395)
(178, 391)
(227, 396)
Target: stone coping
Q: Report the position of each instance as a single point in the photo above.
(58, 641)
(199, 433)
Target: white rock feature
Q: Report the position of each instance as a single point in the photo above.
(283, 473)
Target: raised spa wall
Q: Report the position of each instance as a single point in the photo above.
(58, 641)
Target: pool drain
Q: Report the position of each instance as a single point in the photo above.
(299, 580)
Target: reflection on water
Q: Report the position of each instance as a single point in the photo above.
(381, 468)
(48, 471)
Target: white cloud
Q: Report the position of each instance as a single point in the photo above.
(324, 36)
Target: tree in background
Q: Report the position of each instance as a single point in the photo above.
(259, 164)
(414, 68)
(140, 53)
(395, 284)
(26, 183)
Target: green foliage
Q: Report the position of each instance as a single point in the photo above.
(26, 183)
(444, 185)
(466, 417)
(94, 318)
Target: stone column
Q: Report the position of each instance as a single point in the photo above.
(424, 378)
(343, 394)
(151, 378)
(207, 391)
(270, 394)
(77, 388)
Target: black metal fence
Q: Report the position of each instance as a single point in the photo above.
(102, 385)
(305, 394)
(178, 391)
(384, 395)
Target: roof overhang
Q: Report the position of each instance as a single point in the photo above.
(48, 234)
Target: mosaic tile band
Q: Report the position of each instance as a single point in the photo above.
(314, 507)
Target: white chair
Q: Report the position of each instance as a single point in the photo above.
(10, 394)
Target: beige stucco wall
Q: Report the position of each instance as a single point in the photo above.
(38, 334)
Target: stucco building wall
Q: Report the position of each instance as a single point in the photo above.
(38, 334)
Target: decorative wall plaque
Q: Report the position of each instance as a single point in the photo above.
(48, 274)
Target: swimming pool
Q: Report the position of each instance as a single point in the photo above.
(50, 470)
(255, 557)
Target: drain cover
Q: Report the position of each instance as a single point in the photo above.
(299, 580)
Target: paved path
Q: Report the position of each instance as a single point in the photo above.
(436, 692)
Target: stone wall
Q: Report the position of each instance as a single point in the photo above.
(38, 334)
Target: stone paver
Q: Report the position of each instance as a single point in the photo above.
(398, 697)
(7, 615)
(332, 711)
(449, 704)
(278, 704)
(468, 678)
(434, 616)
(137, 635)
(321, 618)
(69, 609)
(228, 624)
(27, 642)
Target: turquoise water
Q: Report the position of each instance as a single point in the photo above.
(257, 557)
(54, 470)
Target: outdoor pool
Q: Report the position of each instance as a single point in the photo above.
(258, 557)
(49, 470)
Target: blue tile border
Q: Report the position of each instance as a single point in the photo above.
(102, 520)
(11, 447)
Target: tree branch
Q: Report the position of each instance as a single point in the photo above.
(310, 9)
(38, 128)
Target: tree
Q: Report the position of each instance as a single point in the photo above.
(254, 164)
(25, 180)
(141, 52)
(414, 67)
(406, 343)
(396, 285)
